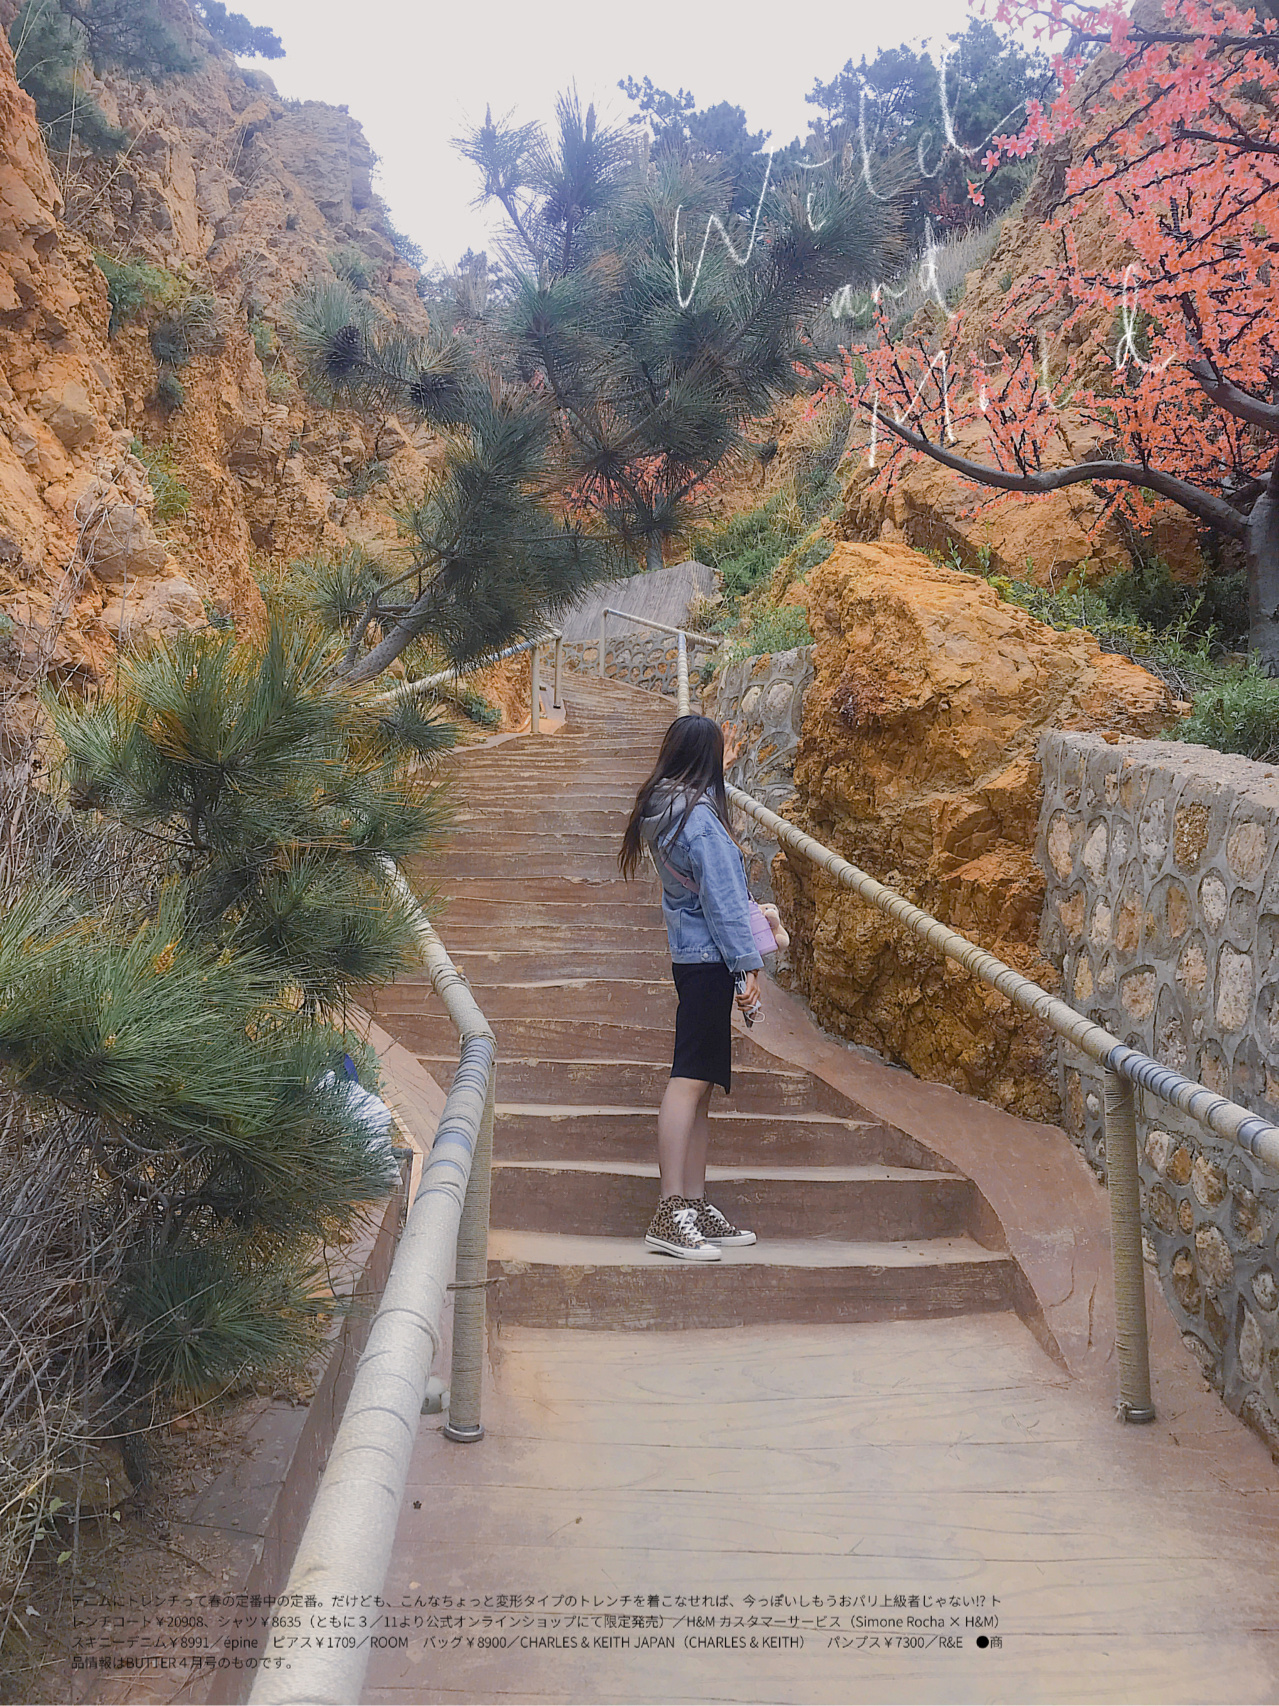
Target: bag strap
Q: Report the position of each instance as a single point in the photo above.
(679, 876)
(683, 881)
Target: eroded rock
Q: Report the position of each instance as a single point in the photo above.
(917, 761)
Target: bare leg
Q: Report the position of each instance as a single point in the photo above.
(699, 1143)
(682, 1134)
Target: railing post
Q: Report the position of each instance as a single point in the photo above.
(558, 701)
(466, 1379)
(1132, 1347)
(535, 693)
(603, 638)
(681, 676)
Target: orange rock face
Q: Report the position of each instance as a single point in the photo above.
(245, 197)
(917, 762)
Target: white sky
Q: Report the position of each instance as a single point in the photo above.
(415, 75)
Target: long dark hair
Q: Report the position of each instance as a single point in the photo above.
(692, 758)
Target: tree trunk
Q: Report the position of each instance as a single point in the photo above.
(653, 555)
(1263, 574)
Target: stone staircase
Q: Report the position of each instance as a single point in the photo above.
(857, 1221)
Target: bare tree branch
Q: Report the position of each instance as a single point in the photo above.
(1228, 396)
(1213, 510)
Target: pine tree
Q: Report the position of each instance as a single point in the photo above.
(237, 34)
(195, 1055)
(587, 413)
(492, 559)
(49, 49)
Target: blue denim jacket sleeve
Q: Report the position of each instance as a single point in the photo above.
(721, 883)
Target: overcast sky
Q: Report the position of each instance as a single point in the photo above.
(415, 75)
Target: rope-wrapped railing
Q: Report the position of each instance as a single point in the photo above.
(451, 677)
(663, 627)
(1226, 1118)
(1124, 1068)
(346, 1547)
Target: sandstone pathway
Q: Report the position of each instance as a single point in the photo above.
(828, 1467)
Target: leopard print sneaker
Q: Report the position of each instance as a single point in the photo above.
(674, 1231)
(715, 1227)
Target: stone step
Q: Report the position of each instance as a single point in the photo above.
(462, 864)
(559, 821)
(527, 934)
(554, 1280)
(599, 900)
(608, 1199)
(645, 1005)
(464, 861)
(522, 842)
(636, 913)
(598, 750)
(641, 1084)
(567, 961)
(535, 1131)
(559, 1038)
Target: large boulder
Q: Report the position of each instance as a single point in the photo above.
(917, 762)
(119, 545)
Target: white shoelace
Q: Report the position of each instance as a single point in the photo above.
(686, 1220)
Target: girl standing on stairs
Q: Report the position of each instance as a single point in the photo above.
(681, 818)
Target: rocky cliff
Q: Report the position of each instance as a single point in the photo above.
(917, 762)
(236, 194)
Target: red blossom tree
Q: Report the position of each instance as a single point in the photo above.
(1166, 365)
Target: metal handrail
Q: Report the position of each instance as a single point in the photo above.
(665, 627)
(685, 634)
(346, 1546)
(1124, 1068)
(448, 677)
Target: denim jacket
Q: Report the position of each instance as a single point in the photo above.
(709, 921)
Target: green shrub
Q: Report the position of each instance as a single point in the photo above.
(775, 630)
(478, 709)
(1216, 605)
(170, 393)
(188, 327)
(352, 266)
(133, 286)
(49, 47)
(279, 385)
(1238, 712)
(746, 548)
(361, 481)
(172, 498)
(264, 341)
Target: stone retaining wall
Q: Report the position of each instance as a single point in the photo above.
(1162, 910)
(645, 660)
(760, 702)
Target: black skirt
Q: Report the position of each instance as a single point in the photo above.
(704, 1022)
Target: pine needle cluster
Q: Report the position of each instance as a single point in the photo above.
(194, 1053)
(585, 413)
